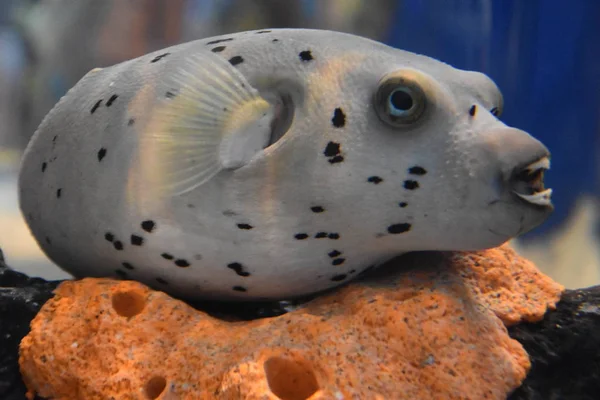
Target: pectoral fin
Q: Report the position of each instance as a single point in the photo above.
(216, 121)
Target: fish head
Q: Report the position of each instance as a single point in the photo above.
(404, 152)
(489, 177)
(413, 152)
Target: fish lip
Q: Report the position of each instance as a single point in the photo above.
(527, 183)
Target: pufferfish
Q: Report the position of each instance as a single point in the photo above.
(274, 164)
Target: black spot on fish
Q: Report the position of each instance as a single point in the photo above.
(218, 49)
(220, 41)
(191, 206)
(127, 265)
(148, 226)
(305, 55)
(375, 179)
(244, 226)
(339, 119)
(332, 149)
(334, 236)
(101, 154)
(137, 240)
(162, 281)
(265, 31)
(411, 185)
(58, 193)
(301, 236)
(169, 94)
(275, 40)
(109, 236)
(403, 204)
(317, 209)
(321, 235)
(167, 256)
(495, 111)
(95, 107)
(118, 245)
(398, 228)
(235, 60)
(182, 263)
(44, 166)
(54, 138)
(160, 57)
(336, 159)
(121, 273)
(416, 170)
(238, 268)
(338, 261)
(131, 121)
(111, 100)
(334, 253)
(473, 110)
(338, 278)
(239, 289)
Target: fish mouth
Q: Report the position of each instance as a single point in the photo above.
(528, 183)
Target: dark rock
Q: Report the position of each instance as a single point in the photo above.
(564, 349)
(21, 298)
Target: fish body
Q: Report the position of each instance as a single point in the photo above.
(274, 164)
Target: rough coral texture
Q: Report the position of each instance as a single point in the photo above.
(427, 326)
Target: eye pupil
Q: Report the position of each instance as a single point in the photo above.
(401, 100)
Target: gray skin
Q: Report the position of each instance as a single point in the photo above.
(82, 197)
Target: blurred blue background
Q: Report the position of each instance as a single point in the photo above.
(543, 54)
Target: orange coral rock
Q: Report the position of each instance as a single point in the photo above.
(430, 328)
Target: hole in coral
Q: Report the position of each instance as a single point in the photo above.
(290, 379)
(155, 386)
(128, 304)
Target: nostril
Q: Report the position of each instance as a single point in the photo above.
(513, 151)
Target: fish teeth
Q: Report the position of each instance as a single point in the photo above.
(540, 199)
(543, 163)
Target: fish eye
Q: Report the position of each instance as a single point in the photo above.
(400, 101)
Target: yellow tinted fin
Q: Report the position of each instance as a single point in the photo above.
(215, 121)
